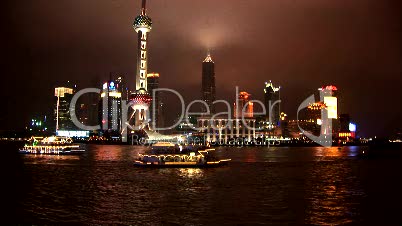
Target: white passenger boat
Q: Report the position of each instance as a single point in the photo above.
(54, 145)
(170, 155)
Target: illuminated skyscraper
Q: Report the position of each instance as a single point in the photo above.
(121, 83)
(208, 82)
(111, 107)
(271, 96)
(312, 120)
(156, 116)
(62, 108)
(141, 98)
(328, 94)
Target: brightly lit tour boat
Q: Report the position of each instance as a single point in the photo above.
(54, 145)
(164, 154)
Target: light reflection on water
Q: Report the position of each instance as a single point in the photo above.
(261, 185)
(328, 151)
(191, 172)
(49, 159)
(116, 152)
(331, 198)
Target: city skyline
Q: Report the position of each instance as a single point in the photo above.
(48, 64)
(202, 112)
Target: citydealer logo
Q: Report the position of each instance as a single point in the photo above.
(324, 139)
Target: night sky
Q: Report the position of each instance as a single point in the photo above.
(298, 44)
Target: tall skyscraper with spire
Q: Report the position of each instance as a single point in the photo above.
(141, 98)
(271, 96)
(208, 82)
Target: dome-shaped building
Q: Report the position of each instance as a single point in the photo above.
(141, 22)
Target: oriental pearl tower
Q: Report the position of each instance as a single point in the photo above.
(141, 98)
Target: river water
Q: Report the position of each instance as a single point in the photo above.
(261, 185)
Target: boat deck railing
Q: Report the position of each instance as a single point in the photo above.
(48, 149)
(171, 158)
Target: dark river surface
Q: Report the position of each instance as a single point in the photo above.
(261, 185)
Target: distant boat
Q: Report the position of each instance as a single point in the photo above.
(166, 154)
(54, 145)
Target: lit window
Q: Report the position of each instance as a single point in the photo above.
(144, 36)
(143, 63)
(143, 54)
(143, 45)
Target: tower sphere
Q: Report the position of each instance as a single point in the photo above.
(142, 21)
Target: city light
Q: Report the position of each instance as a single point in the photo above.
(330, 87)
(115, 94)
(61, 91)
(352, 127)
(332, 106)
(72, 133)
(153, 75)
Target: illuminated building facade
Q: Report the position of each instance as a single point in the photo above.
(62, 108)
(111, 99)
(310, 119)
(347, 129)
(239, 129)
(271, 96)
(330, 100)
(141, 98)
(156, 104)
(208, 83)
(352, 129)
(38, 125)
(269, 125)
(226, 131)
(314, 111)
(284, 125)
(245, 106)
(328, 95)
(122, 87)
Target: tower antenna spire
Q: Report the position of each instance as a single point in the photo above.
(142, 25)
(144, 5)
